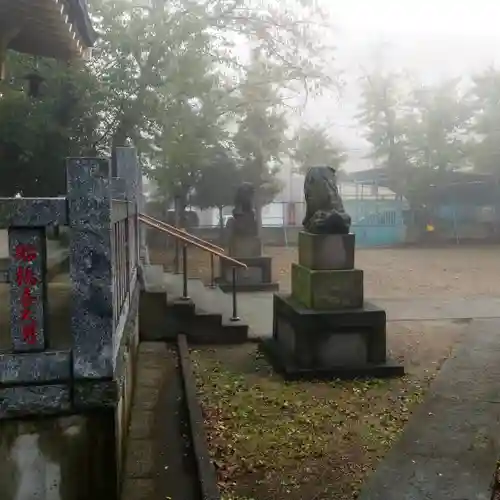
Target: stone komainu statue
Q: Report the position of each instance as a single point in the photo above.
(243, 200)
(243, 221)
(325, 212)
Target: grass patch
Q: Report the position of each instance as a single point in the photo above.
(270, 439)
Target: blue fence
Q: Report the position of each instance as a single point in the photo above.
(377, 222)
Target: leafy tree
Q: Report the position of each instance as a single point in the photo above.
(313, 146)
(37, 134)
(217, 184)
(165, 77)
(184, 148)
(417, 132)
(485, 124)
(261, 135)
(437, 126)
(149, 56)
(381, 102)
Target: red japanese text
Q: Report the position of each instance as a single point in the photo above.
(26, 278)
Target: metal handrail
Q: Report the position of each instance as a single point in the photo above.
(182, 232)
(189, 241)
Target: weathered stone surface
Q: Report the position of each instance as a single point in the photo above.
(326, 251)
(89, 200)
(138, 488)
(36, 367)
(142, 422)
(325, 212)
(325, 290)
(343, 349)
(119, 207)
(257, 276)
(322, 350)
(323, 339)
(34, 400)
(127, 336)
(286, 365)
(128, 169)
(243, 221)
(119, 190)
(95, 394)
(33, 212)
(119, 210)
(262, 263)
(250, 275)
(140, 462)
(242, 246)
(28, 288)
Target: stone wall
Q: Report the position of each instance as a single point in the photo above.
(64, 412)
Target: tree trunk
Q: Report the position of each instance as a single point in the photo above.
(258, 197)
(221, 225)
(258, 214)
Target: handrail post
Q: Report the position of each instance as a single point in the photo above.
(212, 271)
(184, 272)
(234, 317)
(177, 257)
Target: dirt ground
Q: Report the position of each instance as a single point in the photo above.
(391, 273)
(309, 440)
(319, 441)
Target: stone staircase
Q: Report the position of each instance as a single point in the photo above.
(205, 317)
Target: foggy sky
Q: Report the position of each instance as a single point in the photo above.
(434, 39)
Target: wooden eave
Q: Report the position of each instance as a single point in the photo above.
(58, 29)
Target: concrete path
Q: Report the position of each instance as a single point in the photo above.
(449, 449)
(257, 309)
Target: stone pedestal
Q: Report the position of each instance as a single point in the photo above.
(325, 290)
(326, 252)
(258, 275)
(325, 329)
(245, 246)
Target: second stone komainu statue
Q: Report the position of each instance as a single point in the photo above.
(244, 244)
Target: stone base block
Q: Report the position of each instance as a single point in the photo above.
(241, 246)
(327, 290)
(330, 341)
(285, 364)
(326, 251)
(257, 276)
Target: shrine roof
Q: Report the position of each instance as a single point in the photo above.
(60, 29)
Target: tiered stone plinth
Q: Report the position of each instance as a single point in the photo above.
(324, 329)
(257, 276)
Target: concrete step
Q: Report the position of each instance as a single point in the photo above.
(206, 299)
(205, 317)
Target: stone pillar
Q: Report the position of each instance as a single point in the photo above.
(89, 203)
(325, 328)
